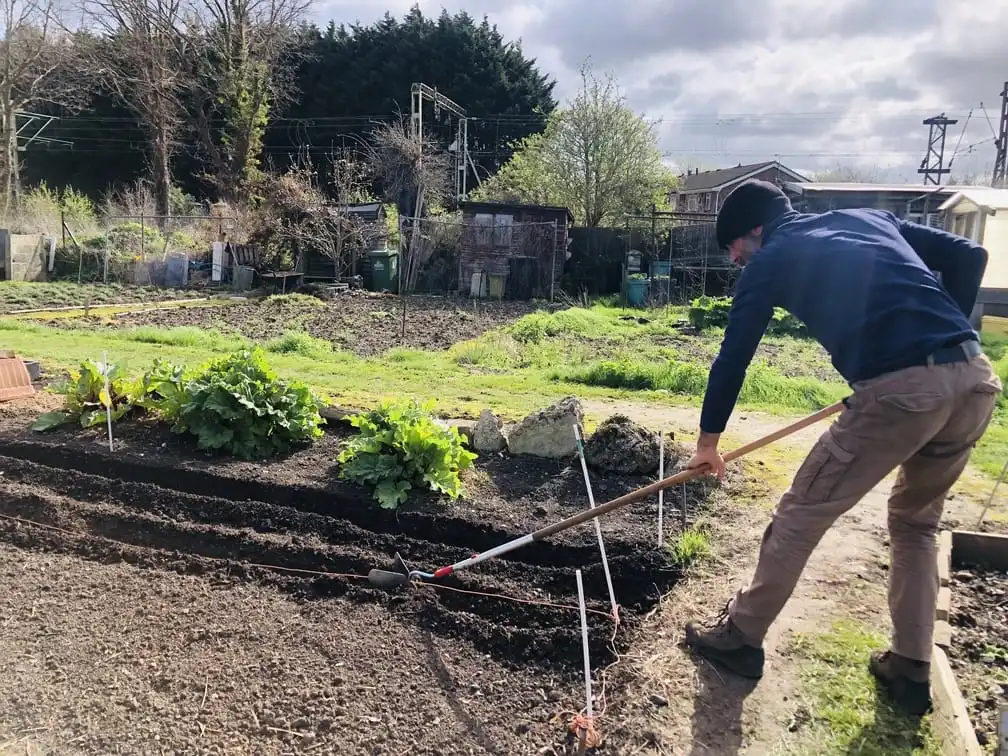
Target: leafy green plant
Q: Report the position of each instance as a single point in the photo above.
(237, 405)
(162, 389)
(712, 312)
(400, 445)
(85, 397)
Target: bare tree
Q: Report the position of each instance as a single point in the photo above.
(596, 157)
(141, 59)
(296, 212)
(414, 172)
(244, 54)
(36, 71)
(846, 173)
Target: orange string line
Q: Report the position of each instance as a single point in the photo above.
(317, 573)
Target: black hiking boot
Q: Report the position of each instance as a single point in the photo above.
(723, 644)
(908, 681)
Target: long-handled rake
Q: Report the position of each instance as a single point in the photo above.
(395, 579)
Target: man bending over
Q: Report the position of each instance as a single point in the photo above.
(923, 395)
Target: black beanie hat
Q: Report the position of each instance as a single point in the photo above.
(748, 206)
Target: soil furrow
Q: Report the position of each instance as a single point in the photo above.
(516, 633)
(347, 503)
(183, 567)
(633, 570)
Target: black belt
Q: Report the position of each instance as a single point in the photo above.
(961, 352)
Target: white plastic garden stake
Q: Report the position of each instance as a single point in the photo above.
(108, 393)
(661, 491)
(598, 527)
(584, 644)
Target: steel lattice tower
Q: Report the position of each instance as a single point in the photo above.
(933, 164)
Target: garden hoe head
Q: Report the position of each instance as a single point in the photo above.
(397, 578)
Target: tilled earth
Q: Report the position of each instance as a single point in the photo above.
(155, 605)
(356, 321)
(979, 650)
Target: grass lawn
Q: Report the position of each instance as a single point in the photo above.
(598, 352)
(845, 711)
(601, 352)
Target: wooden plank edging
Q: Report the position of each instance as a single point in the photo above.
(944, 558)
(943, 628)
(950, 717)
(953, 725)
(988, 550)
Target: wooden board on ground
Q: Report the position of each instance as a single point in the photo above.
(951, 719)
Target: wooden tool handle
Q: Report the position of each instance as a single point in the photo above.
(785, 431)
(683, 475)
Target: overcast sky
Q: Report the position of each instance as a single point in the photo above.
(814, 83)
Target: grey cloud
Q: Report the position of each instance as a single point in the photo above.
(965, 75)
(623, 36)
(661, 91)
(633, 30)
(890, 89)
(861, 18)
(618, 33)
(349, 13)
(801, 115)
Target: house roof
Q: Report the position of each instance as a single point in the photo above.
(982, 198)
(492, 206)
(842, 186)
(709, 180)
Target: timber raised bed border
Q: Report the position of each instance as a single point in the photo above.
(955, 547)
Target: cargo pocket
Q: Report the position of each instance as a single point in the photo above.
(818, 477)
(921, 401)
(990, 385)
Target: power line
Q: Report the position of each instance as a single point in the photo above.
(961, 135)
(522, 118)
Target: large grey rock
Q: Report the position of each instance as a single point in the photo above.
(486, 433)
(622, 447)
(549, 432)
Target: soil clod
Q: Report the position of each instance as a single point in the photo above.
(622, 447)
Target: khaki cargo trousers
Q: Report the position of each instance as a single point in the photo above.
(924, 420)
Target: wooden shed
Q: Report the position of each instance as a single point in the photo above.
(513, 250)
(316, 266)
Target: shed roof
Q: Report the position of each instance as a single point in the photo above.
(708, 180)
(492, 206)
(982, 198)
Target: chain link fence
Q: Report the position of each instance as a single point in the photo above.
(146, 250)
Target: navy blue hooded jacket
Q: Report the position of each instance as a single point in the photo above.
(862, 282)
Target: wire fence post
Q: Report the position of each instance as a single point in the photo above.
(556, 239)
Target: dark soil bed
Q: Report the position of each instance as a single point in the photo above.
(979, 650)
(356, 321)
(291, 529)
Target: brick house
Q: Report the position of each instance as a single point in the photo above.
(525, 243)
(705, 191)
